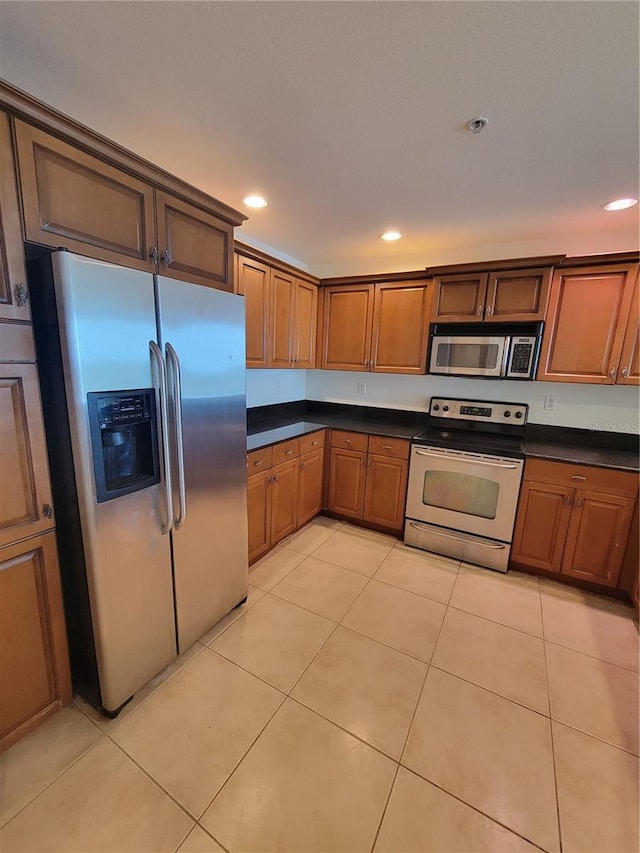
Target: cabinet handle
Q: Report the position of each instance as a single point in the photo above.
(362, 461)
(259, 462)
(568, 499)
(578, 477)
(347, 441)
(479, 311)
(625, 372)
(314, 442)
(22, 295)
(302, 466)
(580, 502)
(153, 255)
(47, 510)
(165, 257)
(386, 447)
(489, 310)
(612, 373)
(372, 364)
(288, 452)
(365, 362)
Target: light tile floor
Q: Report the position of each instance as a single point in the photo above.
(368, 696)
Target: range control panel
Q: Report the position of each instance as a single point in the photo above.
(479, 410)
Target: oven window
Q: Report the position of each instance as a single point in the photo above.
(468, 355)
(461, 493)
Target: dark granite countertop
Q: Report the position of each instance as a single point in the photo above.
(273, 424)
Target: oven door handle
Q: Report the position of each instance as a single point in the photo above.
(465, 458)
(459, 537)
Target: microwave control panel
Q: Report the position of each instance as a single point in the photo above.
(521, 354)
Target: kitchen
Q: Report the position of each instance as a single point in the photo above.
(603, 407)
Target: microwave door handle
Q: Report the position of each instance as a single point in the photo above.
(506, 356)
(470, 459)
(156, 357)
(174, 361)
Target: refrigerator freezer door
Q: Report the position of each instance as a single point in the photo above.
(107, 318)
(205, 328)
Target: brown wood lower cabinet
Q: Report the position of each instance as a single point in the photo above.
(283, 495)
(368, 483)
(574, 520)
(34, 668)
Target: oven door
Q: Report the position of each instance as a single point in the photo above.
(466, 355)
(469, 492)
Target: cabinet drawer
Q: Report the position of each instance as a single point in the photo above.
(605, 480)
(314, 441)
(286, 451)
(259, 460)
(398, 448)
(349, 440)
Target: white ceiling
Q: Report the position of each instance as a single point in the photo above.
(350, 116)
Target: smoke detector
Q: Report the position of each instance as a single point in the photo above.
(477, 124)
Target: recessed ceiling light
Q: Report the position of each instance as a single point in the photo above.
(621, 204)
(254, 201)
(391, 235)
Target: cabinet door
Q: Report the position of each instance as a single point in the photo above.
(74, 200)
(304, 325)
(13, 276)
(259, 514)
(400, 327)
(25, 492)
(347, 474)
(459, 298)
(597, 537)
(588, 312)
(386, 491)
(517, 295)
(283, 291)
(34, 665)
(629, 373)
(542, 522)
(309, 486)
(193, 245)
(253, 284)
(346, 333)
(284, 496)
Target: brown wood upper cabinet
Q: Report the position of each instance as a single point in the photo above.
(71, 198)
(14, 304)
(380, 327)
(491, 297)
(591, 334)
(253, 282)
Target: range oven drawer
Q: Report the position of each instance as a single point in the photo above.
(459, 546)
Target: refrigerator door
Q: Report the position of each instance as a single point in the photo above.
(202, 334)
(106, 319)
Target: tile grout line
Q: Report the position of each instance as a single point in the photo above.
(593, 657)
(553, 746)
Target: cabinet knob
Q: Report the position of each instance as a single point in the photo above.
(625, 372)
(578, 477)
(612, 373)
(489, 310)
(47, 510)
(580, 502)
(568, 499)
(22, 295)
(372, 363)
(479, 311)
(153, 255)
(165, 257)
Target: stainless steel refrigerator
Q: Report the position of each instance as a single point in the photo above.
(143, 384)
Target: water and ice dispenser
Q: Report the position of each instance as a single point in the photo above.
(124, 440)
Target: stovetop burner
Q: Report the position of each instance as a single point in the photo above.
(476, 426)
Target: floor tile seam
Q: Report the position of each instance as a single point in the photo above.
(237, 765)
(4, 823)
(327, 563)
(211, 835)
(342, 728)
(248, 671)
(495, 622)
(224, 630)
(382, 643)
(593, 657)
(295, 683)
(301, 606)
(471, 806)
(553, 745)
(261, 588)
(493, 692)
(324, 541)
(424, 681)
(598, 739)
(385, 807)
(397, 586)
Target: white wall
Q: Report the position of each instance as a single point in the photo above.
(613, 408)
(265, 387)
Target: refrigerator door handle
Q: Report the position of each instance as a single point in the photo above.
(156, 356)
(174, 361)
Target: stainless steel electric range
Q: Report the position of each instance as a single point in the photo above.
(464, 480)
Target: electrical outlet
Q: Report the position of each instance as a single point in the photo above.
(361, 388)
(550, 402)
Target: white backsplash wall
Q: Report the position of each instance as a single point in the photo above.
(265, 387)
(600, 407)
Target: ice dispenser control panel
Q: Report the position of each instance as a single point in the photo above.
(124, 441)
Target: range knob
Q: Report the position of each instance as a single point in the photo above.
(445, 408)
(518, 414)
(507, 414)
(436, 408)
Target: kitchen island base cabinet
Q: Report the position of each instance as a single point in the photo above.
(369, 482)
(34, 669)
(574, 521)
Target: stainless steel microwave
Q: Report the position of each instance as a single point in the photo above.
(503, 352)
